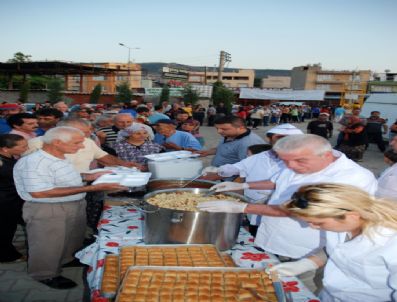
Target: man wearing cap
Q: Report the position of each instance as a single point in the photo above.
(6, 110)
(257, 167)
(322, 126)
(309, 159)
(236, 139)
(174, 140)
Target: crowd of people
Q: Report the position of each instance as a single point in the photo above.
(294, 180)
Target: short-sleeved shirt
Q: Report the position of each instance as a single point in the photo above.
(180, 138)
(233, 151)
(374, 125)
(387, 184)
(80, 160)
(128, 152)
(156, 116)
(41, 171)
(292, 237)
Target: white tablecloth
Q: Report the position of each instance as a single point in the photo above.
(122, 225)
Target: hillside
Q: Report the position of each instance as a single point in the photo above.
(156, 67)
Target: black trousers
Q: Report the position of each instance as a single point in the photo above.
(10, 217)
(377, 139)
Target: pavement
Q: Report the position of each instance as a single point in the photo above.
(17, 286)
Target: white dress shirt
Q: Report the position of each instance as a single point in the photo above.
(387, 184)
(294, 238)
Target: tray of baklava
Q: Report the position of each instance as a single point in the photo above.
(202, 255)
(110, 276)
(195, 284)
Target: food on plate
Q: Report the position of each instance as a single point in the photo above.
(184, 201)
(110, 278)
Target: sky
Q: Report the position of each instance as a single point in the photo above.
(260, 34)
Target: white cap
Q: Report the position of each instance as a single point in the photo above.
(285, 129)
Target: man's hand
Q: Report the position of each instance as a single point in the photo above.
(204, 153)
(209, 169)
(94, 176)
(229, 186)
(108, 187)
(211, 177)
(222, 206)
(294, 268)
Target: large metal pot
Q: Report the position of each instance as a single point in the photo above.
(162, 184)
(173, 226)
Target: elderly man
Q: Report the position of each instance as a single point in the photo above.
(309, 159)
(257, 167)
(81, 161)
(387, 181)
(63, 107)
(54, 210)
(23, 124)
(236, 139)
(173, 139)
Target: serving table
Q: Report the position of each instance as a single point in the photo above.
(122, 225)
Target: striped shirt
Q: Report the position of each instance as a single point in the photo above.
(41, 171)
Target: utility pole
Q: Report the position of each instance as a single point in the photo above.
(224, 57)
(205, 75)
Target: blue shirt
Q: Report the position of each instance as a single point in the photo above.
(180, 138)
(4, 127)
(233, 151)
(130, 111)
(156, 116)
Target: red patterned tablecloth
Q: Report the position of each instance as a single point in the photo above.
(122, 225)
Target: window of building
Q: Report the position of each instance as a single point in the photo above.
(325, 77)
(227, 78)
(241, 78)
(99, 78)
(323, 87)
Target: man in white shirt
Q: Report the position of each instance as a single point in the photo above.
(54, 210)
(309, 159)
(387, 181)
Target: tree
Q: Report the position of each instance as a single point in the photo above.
(165, 94)
(190, 96)
(221, 94)
(55, 87)
(124, 93)
(23, 93)
(19, 57)
(96, 94)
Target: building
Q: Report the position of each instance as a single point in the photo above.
(276, 82)
(383, 83)
(130, 73)
(342, 86)
(241, 78)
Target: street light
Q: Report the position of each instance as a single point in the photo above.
(129, 56)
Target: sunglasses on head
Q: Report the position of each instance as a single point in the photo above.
(301, 202)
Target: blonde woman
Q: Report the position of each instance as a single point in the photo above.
(361, 242)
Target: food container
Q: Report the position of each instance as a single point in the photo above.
(171, 155)
(164, 225)
(177, 168)
(149, 283)
(128, 180)
(162, 184)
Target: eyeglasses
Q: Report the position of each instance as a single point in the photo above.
(301, 202)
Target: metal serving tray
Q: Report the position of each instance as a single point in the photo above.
(280, 294)
(170, 246)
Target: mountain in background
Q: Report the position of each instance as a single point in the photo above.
(155, 68)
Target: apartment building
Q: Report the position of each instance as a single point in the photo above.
(341, 86)
(241, 78)
(383, 83)
(131, 73)
(276, 82)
